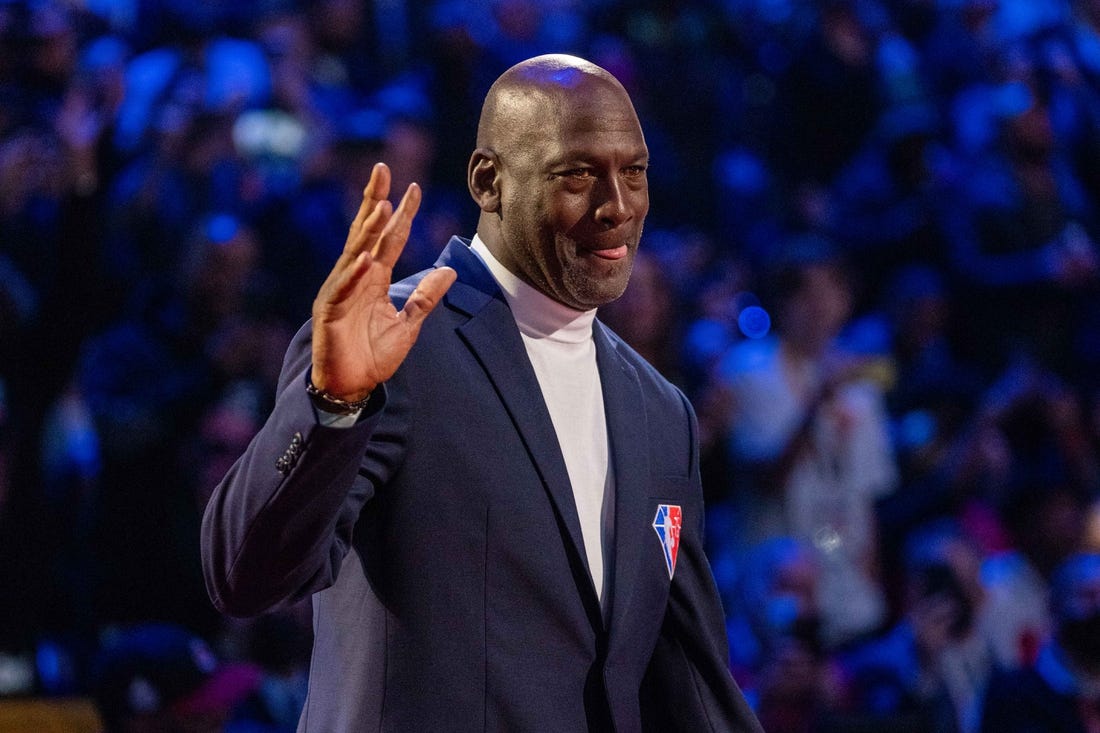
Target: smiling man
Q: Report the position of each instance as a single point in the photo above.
(560, 176)
(496, 509)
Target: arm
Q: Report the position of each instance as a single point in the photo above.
(278, 525)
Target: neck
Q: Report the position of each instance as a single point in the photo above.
(537, 314)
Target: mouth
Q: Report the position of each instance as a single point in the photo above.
(609, 253)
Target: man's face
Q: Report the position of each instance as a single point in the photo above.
(574, 196)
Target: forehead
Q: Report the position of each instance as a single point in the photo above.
(588, 115)
(598, 114)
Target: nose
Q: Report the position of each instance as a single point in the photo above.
(613, 208)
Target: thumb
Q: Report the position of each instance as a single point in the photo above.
(426, 296)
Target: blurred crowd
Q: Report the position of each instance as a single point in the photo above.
(871, 261)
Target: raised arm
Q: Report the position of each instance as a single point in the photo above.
(279, 524)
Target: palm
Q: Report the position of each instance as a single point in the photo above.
(359, 337)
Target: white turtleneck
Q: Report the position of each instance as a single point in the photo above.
(560, 346)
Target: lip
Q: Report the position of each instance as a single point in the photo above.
(610, 253)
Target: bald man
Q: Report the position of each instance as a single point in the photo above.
(492, 500)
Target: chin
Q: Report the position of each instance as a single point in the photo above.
(594, 294)
(589, 282)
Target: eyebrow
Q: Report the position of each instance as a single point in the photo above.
(586, 155)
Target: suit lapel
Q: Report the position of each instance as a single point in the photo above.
(624, 405)
(492, 335)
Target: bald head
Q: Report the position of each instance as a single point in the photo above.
(526, 96)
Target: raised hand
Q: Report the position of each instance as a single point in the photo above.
(359, 337)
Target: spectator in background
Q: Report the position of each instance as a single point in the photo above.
(889, 200)
(829, 100)
(1022, 240)
(280, 645)
(779, 658)
(410, 146)
(52, 160)
(1060, 692)
(928, 672)
(149, 378)
(919, 311)
(304, 233)
(943, 471)
(771, 591)
(1017, 473)
(1046, 524)
(807, 426)
(1028, 464)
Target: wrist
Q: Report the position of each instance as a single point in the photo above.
(331, 403)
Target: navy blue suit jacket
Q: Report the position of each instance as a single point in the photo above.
(441, 544)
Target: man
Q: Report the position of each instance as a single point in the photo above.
(807, 425)
(503, 532)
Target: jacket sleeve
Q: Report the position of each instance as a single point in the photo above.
(279, 524)
(688, 685)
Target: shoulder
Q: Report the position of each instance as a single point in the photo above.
(652, 380)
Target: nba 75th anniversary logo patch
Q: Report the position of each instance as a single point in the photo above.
(667, 525)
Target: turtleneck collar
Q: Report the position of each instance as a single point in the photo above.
(537, 315)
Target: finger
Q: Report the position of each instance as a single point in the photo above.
(396, 233)
(426, 297)
(369, 221)
(377, 189)
(368, 232)
(349, 277)
(364, 232)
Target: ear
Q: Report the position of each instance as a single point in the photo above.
(483, 179)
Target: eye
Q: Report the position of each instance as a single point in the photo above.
(634, 171)
(581, 173)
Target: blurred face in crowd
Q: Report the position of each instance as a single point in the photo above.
(54, 51)
(222, 262)
(560, 175)
(815, 313)
(410, 149)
